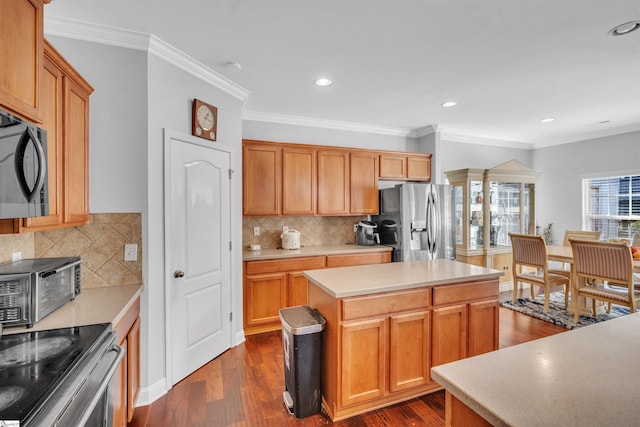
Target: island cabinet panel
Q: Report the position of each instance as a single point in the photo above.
(409, 358)
(449, 340)
(363, 371)
(333, 182)
(378, 348)
(298, 181)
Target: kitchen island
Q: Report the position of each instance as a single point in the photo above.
(584, 377)
(388, 324)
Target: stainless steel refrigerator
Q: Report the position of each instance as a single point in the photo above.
(417, 220)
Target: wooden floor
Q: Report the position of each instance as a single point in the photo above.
(244, 385)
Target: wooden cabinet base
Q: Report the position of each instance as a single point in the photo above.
(458, 414)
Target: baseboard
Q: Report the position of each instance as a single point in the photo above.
(150, 394)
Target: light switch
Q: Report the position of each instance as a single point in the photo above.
(131, 252)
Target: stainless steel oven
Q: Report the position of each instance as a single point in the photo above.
(31, 289)
(59, 377)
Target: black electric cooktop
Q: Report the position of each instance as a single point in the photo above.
(32, 364)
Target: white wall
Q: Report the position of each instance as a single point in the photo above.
(137, 95)
(559, 190)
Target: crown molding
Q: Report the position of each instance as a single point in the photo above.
(469, 139)
(601, 133)
(326, 124)
(128, 39)
(423, 131)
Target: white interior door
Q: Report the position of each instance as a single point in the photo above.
(197, 215)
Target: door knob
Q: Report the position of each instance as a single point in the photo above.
(178, 274)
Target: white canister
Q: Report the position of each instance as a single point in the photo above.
(290, 239)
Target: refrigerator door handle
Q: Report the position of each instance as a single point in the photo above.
(432, 226)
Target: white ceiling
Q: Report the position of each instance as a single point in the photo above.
(507, 63)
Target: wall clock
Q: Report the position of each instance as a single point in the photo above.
(205, 120)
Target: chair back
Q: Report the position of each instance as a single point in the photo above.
(581, 235)
(529, 250)
(608, 261)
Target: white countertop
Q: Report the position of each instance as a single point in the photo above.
(94, 305)
(345, 249)
(585, 377)
(368, 279)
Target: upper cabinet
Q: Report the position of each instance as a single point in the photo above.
(363, 176)
(261, 178)
(65, 116)
(333, 182)
(405, 166)
(21, 44)
(298, 181)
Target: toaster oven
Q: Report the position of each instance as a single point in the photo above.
(31, 289)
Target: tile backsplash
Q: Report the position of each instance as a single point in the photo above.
(100, 243)
(314, 230)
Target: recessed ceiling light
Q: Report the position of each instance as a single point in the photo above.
(323, 82)
(547, 120)
(624, 29)
(448, 104)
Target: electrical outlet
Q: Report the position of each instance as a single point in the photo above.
(131, 252)
(355, 227)
(285, 228)
(16, 256)
(256, 231)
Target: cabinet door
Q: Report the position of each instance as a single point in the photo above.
(358, 259)
(419, 168)
(21, 44)
(503, 262)
(364, 182)
(261, 170)
(133, 368)
(483, 327)
(333, 182)
(298, 181)
(76, 180)
(363, 361)
(265, 295)
(298, 289)
(52, 116)
(409, 343)
(449, 334)
(393, 166)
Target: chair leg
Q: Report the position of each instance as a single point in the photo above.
(546, 301)
(515, 291)
(566, 296)
(531, 290)
(576, 313)
(593, 307)
(609, 308)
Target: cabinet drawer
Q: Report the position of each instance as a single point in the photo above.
(284, 265)
(358, 259)
(354, 308)
(465, 292)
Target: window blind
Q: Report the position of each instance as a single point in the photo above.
(611, 205)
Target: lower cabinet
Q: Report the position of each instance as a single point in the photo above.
(378, 349)
(127, 377)
(270, 285)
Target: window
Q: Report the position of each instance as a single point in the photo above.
(612, 205)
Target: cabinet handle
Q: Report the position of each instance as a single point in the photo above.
(178, 274)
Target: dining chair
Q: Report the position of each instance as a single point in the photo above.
(604, 272)
(530, 251)
(565, 270)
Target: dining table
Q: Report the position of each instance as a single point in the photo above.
(564, 254)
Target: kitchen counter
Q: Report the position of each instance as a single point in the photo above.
(94, 305)
(345, 249)
(585, 377)
(369, 279)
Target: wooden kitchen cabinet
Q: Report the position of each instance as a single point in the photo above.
(65, 116)
(261, 178)
(21, 44)
(405, 166)
(363, 176)
(270, 285)
(298, 181)
(333, 182)
(127, 376)
(404, 333)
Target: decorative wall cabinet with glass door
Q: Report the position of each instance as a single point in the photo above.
(490, 204)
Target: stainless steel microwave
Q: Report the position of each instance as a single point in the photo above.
(31, 289)
(23, 168)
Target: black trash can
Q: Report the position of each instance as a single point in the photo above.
(302, 328)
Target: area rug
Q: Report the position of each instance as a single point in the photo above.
(557, 314)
